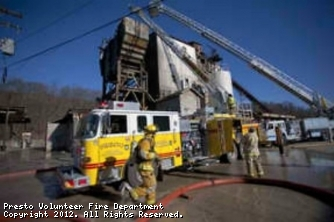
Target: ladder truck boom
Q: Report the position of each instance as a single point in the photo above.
(274, 74)
(186, 58)
(252, 98)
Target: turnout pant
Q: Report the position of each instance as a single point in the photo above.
(253, 161)
(147, 189)
(281, 149)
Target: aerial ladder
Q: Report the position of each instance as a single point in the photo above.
(309, 96)
(203, 76)
(184, 56)
(250, 96)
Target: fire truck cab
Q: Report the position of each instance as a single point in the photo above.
(106, 138)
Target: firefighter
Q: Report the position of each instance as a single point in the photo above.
(279, 139)
(237, 141)
(251, 153)
(146, 157)
(231, 104)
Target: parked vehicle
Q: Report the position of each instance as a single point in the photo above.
(290, 129)
(105, 141)
(316, 128)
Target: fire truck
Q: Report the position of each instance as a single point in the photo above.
(106, 138)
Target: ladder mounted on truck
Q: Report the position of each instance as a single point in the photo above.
(189, 61)
(204, 77)
(296, 88)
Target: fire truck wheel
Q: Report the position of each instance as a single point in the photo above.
(159, 172)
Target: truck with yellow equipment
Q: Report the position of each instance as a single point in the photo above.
(219, 143)
(106, 138)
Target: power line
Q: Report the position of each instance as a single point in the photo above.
(10, 12)
(73, 39)
(54, 21)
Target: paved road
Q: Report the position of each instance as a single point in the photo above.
(240, 202)
(247, 203)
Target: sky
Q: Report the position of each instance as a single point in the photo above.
(295, 36)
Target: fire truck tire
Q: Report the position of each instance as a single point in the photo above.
(224, 158)
(159, 173)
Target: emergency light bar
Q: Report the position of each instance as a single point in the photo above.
(120, 105)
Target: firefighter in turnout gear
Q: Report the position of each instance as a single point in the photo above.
(231, 104)
(252, 153)
(279, 139)
(146, 156)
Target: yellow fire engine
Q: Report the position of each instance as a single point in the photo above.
(224, 131)
(106, 138)
(221, 131)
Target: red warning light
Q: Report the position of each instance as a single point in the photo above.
(103, 104)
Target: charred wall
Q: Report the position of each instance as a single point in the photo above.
(152, 66)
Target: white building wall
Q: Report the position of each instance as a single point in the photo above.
(187, 103)
(190, 103)
(223, 80)
(172, 104)
(165, 74)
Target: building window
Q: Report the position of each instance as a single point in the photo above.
(162, 122)
(118, 124)
(141, 123)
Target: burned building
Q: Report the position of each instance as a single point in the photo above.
(122, 64)
(138, 66)
(193, 94)
(163, 87)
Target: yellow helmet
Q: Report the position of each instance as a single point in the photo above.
(151, 128)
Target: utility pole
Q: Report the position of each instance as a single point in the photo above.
(7, 45)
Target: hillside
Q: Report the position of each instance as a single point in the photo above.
(46, 103)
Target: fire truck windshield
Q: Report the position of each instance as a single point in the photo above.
(88, 126)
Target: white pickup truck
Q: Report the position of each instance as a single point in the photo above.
(290, 130)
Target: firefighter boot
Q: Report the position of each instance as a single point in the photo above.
(150, 183)
(135, 195)
(250, 167)
(151, 196)
(259, 170)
